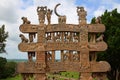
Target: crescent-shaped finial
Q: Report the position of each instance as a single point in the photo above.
(55, 9)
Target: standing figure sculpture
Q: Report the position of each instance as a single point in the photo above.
(41, 13)
(31, 37)
(82, 15)
(49, 13)
(98, 20)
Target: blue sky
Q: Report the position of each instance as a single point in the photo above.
(11, 12)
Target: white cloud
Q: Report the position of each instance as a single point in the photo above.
(117, 5)
(106, 5)
(8, 10)
(99, 11)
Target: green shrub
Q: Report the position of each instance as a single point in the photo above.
(7, 69)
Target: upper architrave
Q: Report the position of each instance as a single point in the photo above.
(32, 28)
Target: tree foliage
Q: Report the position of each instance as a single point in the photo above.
(112, 36)
(3, 36)
(3, 62)
(7, 69)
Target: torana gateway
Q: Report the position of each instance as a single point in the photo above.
(77, 44)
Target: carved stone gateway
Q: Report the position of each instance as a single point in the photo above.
(77, 49)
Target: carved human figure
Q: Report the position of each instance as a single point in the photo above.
(31, 37)
(92, 37)
(48, 37)
(93, 56)
(25, 20)
(66, 56)
(41, 13)
(82, 15)
(49, 56)
(30, 56)
(76, 56)
(23, 38)
(57, 37)
(67, 37)
(98, 20)
(49, 13)
(76, 38)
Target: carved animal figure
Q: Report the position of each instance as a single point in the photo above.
(62, 18)
(23, 38)
(25, 20)
(100, 38)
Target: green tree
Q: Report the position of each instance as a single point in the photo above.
(7, 69)
(112, 36)
(10, 69)
(3, 36)
(3, 62)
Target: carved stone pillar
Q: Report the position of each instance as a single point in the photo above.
(71, 55)
(85, 76)
(62, 53)
(84, 53)
(71, 37)
(53, 56)
(40, 55)
(40, 76)
(62, 38)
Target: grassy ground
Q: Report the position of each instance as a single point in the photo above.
(60, 76)
(18, 77)
(74, 75)
(65, 75)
